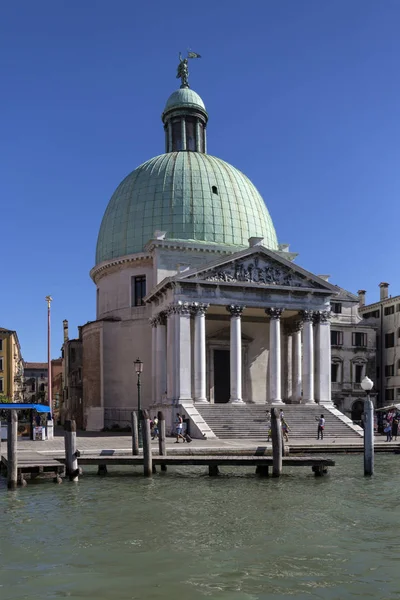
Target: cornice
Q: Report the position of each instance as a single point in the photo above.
(116, 262)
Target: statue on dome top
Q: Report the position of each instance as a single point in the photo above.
(183, 68)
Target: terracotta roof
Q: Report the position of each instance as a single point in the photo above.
(36, 365)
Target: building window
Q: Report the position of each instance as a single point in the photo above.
(33, 386)
(335, 372)
(215, 190)
(73, 354)
(1, 384)
(1, 345)
(389, 340)
(398, 392)
(373, 314)
(336, 307)
(397, 307)
(1, 364)
(358, 373)
(398, 335)
(389, 370)
(138, 290)
(42, 387)
(359, 339)
(389, 394)
(336, 338)
(389, 310)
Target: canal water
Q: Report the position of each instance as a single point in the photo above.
(185, 535)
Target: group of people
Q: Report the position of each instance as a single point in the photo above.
(285, 427)
(391, 425)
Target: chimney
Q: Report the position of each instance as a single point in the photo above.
(80, 332)
(384, 290)
(65, 327)
(361, 297)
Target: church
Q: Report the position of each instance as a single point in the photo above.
(190, 278)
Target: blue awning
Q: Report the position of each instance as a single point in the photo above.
(40, 408)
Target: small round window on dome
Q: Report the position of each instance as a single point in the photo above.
(215, 190)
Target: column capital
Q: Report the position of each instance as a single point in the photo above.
(153, 321)
(322, 317)
(274, 313)
(197, 308)
(297, 326)
(307, 316)
(179, 308)
(235, 310)
(161, 318)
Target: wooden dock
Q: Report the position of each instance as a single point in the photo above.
(35, 464)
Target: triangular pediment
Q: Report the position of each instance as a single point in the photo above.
(257, 266)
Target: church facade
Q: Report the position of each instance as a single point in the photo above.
(191, 279)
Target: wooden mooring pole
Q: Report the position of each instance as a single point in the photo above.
(276, 431)
(71, 453)
(162, 449)
(135, 434)
(12, 458)
(147, 455)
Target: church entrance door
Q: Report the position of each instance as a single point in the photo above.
(222, 378)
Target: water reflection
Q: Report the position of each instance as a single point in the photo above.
(236, 537)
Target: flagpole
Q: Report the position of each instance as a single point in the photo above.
(49, 378)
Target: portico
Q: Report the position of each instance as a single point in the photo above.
(270, 316)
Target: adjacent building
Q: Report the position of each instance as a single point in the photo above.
(384, 315)
(353, 348)
(36, 382)
(11, 366)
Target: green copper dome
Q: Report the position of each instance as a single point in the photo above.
(184, 97)
(190, 196)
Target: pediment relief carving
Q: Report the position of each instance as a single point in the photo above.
(257, 269)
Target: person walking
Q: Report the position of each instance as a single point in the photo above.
(154, 431)
(395, 427)
(321, 427)
(285, 430)
(179, 429)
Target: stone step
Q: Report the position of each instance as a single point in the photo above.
(252, 421)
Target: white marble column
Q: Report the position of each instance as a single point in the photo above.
(153, 323)
(236, 352)
(184, 352)
(287, 340)
(308, 356)
(323, 358)
(199, 312)
(274, 380)
(161, 357)
(171, 355)
(296, 362)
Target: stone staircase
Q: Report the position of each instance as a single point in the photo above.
(250, 421)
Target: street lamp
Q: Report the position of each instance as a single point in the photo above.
(367, 384)
(139, 369)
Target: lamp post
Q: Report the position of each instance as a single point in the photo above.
(367, 384)
(139, 369)
(49, 300)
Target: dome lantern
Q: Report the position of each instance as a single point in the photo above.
(185, 116)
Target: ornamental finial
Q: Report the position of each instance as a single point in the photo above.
(183, 68)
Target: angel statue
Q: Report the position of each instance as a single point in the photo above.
(183, 68)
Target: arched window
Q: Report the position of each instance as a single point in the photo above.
(358, 371)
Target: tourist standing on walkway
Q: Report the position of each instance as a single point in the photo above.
(321, 427)
(388, 431)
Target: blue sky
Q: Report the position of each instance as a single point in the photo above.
(303, 96)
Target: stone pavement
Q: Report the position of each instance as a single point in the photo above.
(122, 443)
